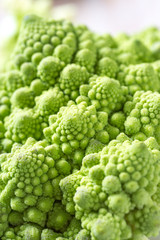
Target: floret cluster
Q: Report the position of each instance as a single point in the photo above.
(80, 135)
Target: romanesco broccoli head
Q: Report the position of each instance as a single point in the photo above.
(79, 134)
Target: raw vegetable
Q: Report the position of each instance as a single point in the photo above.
(79, 135)
(15, 10)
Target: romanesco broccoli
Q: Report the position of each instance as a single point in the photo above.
(80, 134)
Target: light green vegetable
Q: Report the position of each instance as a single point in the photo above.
(15, 12)
(79, 135)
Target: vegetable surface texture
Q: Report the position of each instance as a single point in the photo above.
(80, 134)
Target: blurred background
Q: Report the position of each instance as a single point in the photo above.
(102, 16)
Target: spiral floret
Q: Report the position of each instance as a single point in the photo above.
(49, 69)
(141, 77)
(72, 77)
(107, 67)
(23, 123)
(137, 48)
(74, 126)
(23, 98)
(49, 102)
(28, 173)
(143, 115)
(114, 197)
(105, 93)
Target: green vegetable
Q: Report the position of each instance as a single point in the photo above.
(79, 135)
(17, 10)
